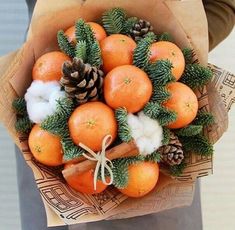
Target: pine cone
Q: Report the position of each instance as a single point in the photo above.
(140, 29)
(172, 154)
(81, 81)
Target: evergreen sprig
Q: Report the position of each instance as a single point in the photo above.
(177, 170)
(85, 35)
(81, 50)
(65, 45)
(142, 51)
(154, 157)
(19, 105)
(160, 94)
(196, 76)
(113, 20)
(189, 55)
(189, 131)
(124, 131)
(204, 118)
(198, 144)
(23, 125)
(166, 116)
(164, 37)
(166, 136)
(70, 150)
(128, 25)
(160, 72)
(152, 110)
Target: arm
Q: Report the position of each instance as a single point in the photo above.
(221, 19)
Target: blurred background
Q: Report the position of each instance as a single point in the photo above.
(217, 191)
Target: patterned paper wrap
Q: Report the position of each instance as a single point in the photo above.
(189, 28)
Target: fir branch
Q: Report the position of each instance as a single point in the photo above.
(166, 136)
(189, 55)
(160, 72)
(166, 116)
(124, 131)
(95, 55)
(19, 105)
(152, 110)
(154, 157)
(197, 144)
(160, 94)
(113, 20)
(65, 106)
(196, 76)
(164, 37)
(23, 125)
(70, 150)
(81, 50)
(65, 45)
(177, 170)
(128, 25)
(189, 131)
(204, 118)
(142, 51)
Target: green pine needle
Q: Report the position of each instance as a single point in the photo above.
(142, 51)
(65, 45)
(95, 55)
(154, 157)
(166, 136)
(152, 110)
(81, 50)
(189, 131)
(164, 37)
(188, 55)
(128, 25)
(197, 144)
(23, 125)
(160, 72)
(124, 131)
(19, 105)
(113, 20)
(160, 94)
(177, 170)
(204, 118)
(166, 116)
(71, 151)
(196, 76)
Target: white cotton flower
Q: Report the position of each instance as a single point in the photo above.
(147, 133)
(41, 99)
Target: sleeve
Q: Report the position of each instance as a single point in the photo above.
(221, 19)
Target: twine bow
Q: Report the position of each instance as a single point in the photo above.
(102, 160)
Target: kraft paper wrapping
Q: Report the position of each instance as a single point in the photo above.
(189, 28)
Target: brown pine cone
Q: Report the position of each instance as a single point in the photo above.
(172, 154)
(140, 29)
(81, 81)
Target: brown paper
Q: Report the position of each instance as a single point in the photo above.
(189, 28)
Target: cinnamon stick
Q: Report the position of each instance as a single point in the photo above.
(120, 151)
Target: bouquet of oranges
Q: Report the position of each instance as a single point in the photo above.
(115, 105)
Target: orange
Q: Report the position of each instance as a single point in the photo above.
(127, 86)
(184, 102)
(117, 50)
(49, 66)
(143, 178)
(85, 182)
(98, 30)
(168, 50)
(45, 147)
(90, 123)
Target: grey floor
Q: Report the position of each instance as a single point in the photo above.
(13, 23)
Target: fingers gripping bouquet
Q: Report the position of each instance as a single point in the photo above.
(114, 105)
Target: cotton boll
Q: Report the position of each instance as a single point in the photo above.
(135, 126)
(54, 97)
(141, 144)
(39, 111)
